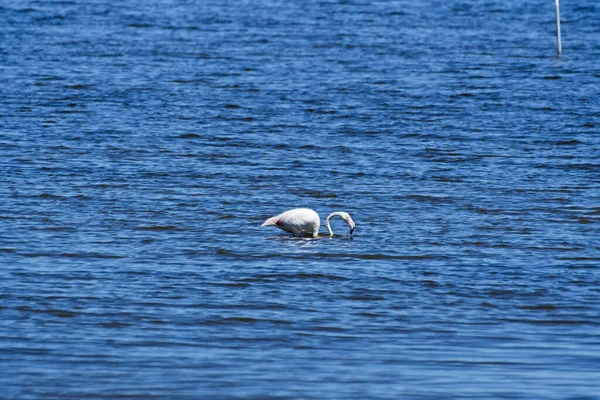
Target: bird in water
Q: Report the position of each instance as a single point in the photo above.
(305, 222)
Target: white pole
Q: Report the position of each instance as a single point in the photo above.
(557, 5)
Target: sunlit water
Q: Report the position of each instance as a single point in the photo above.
(142, 145)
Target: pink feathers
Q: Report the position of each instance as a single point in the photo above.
(305, 222)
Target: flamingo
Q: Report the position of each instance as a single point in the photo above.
(305, 222)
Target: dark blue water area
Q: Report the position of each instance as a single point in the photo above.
(143, 144)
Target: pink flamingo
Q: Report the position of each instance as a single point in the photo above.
(305, 222)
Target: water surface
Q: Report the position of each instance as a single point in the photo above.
(142, 145)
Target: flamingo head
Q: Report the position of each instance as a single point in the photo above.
(346, 217)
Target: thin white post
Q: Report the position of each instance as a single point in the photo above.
(557, 6)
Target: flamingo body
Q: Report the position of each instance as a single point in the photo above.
(298, 222)
(305, 222)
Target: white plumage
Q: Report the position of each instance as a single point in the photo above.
(305, 222)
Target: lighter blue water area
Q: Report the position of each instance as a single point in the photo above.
(142, 145)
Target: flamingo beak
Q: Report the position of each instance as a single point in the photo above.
(352, 226)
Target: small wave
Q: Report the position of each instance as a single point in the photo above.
(189, 136)
(50, 196)
(579, 258)
(115, 324)
(326, 328)
(551, 321)
(230, 284)
(544, 307)
(501, 293)
(157, 228)
(90, 255)
(399, 257)
(430, 199)
(244, 321)
(64, 112)
(224, 252)
(56, 229)
(364, 297)
(184, 81)
(139, 25)
(78, 87)
(317, 194)
(54, 312)
(571, 142)
(337, 256)
(294, 277)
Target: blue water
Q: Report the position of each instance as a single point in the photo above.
(142, 145)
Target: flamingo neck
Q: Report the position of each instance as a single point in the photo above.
(335, 214)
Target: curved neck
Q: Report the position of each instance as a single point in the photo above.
(335, 214)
